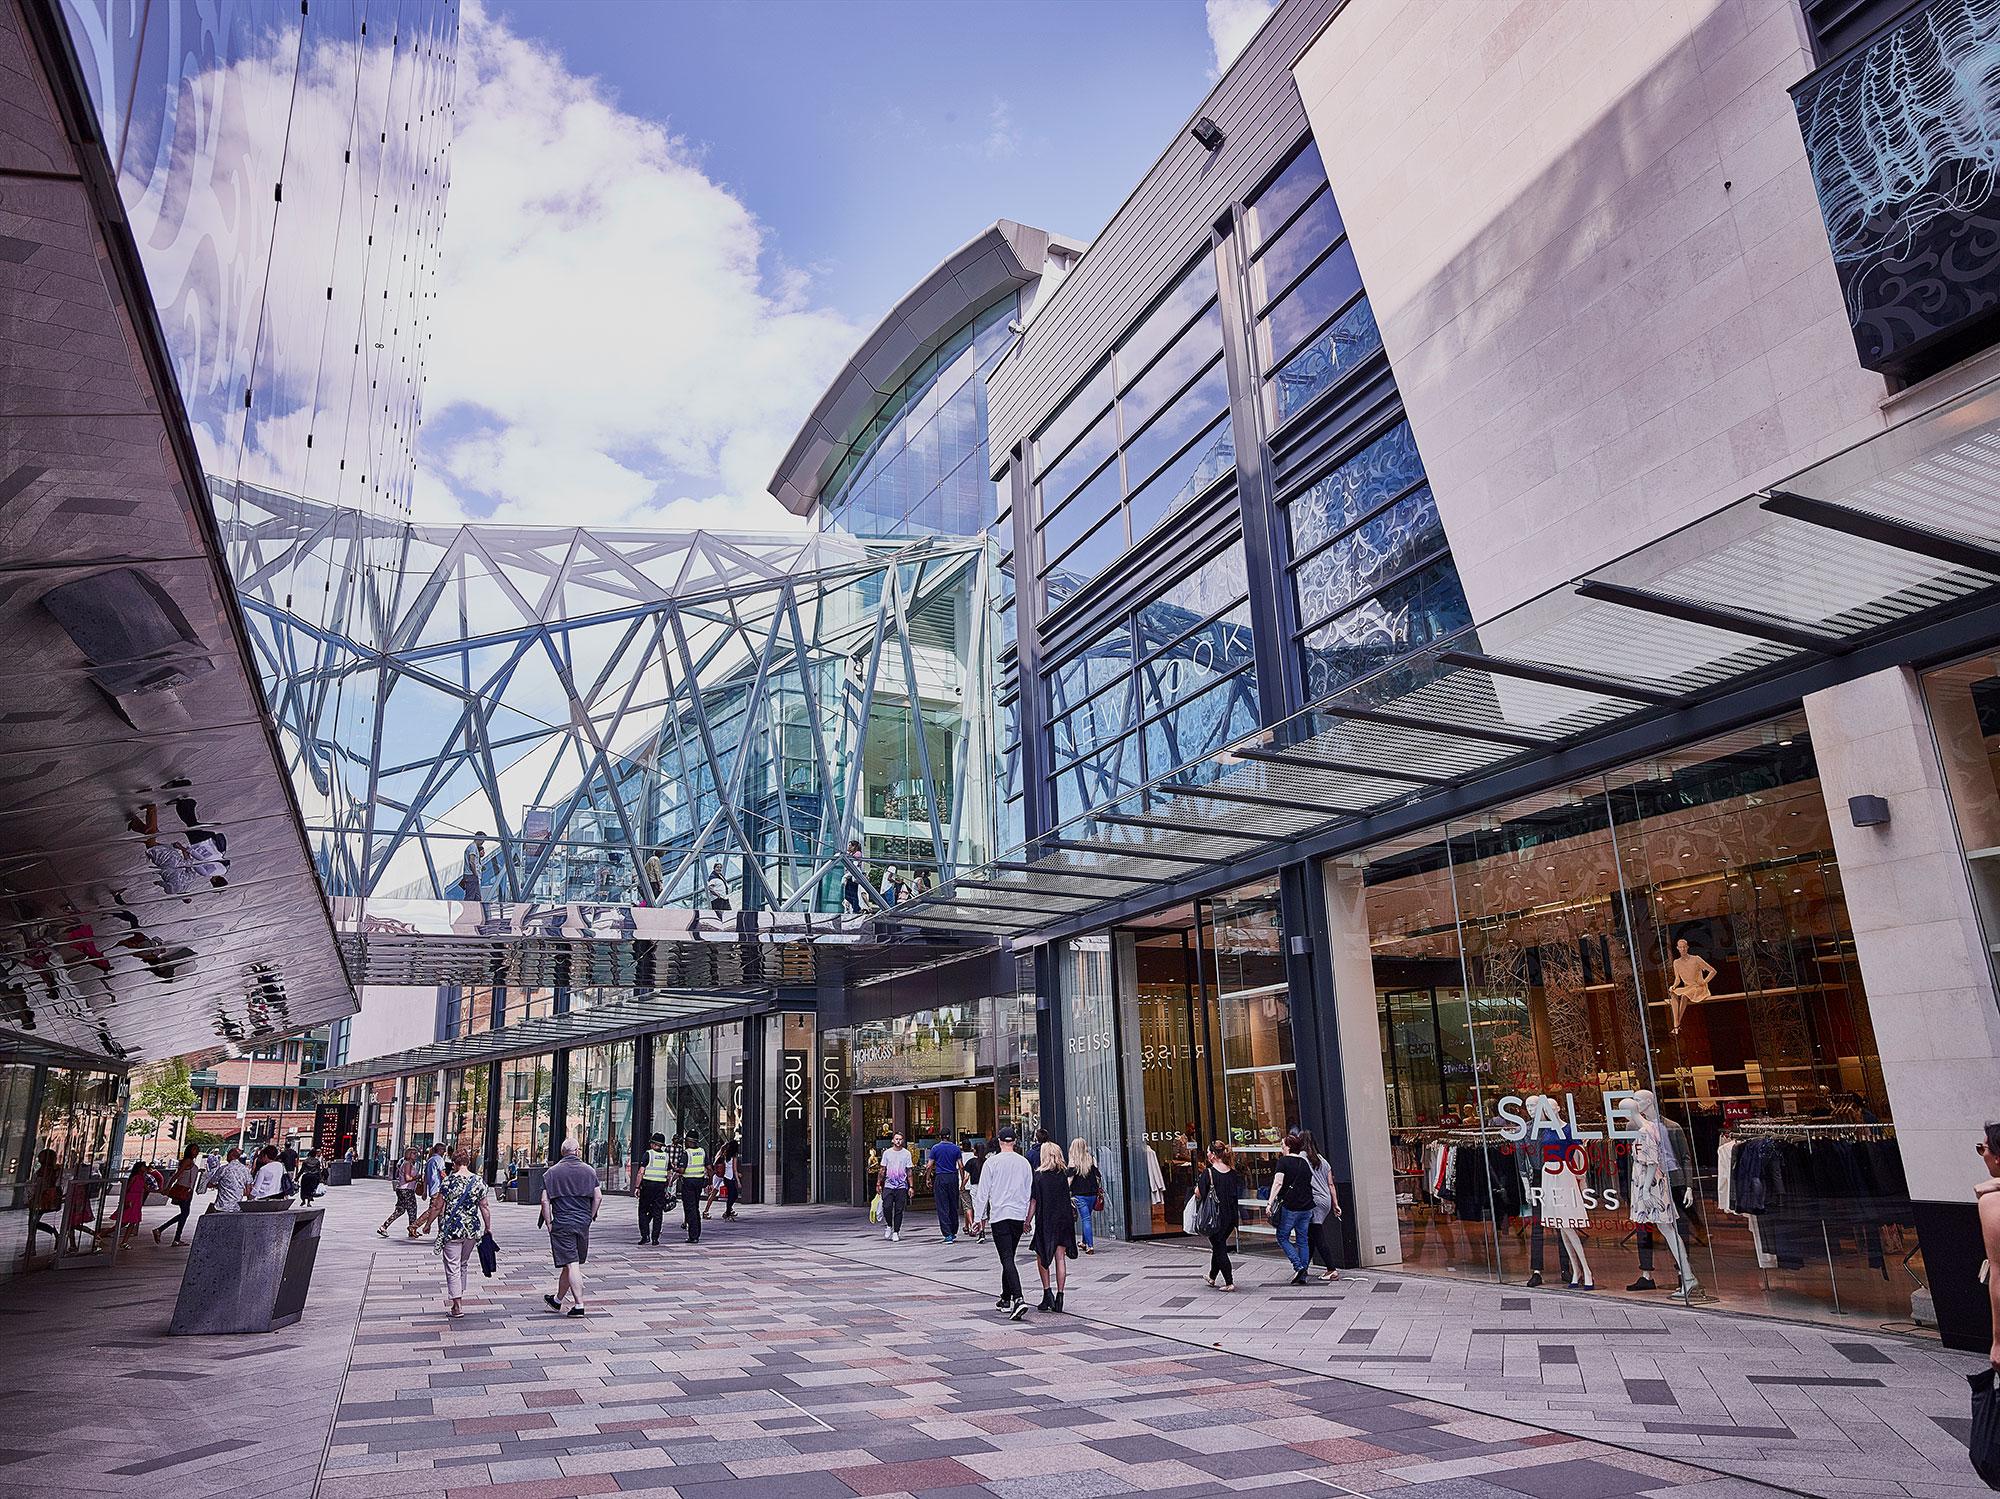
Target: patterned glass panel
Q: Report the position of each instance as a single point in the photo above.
(1377, 549)
(1426, 606)
(1364, 483)
(1323, 362)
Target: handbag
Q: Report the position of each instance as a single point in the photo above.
(1208, 1217)
(489, 1255)
(1983, 1442)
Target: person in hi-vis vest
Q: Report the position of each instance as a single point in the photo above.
(653, 1190)
(693, 1176)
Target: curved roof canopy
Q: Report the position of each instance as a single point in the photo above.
(1001, 256)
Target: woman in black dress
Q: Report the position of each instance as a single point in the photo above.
(1052, 1223)
(1219, 1181)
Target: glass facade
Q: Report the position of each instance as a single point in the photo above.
(600, 1115)
(698, 1083)
(1623, 1026)
(919, 467)
(1371, 571)
(1137, 441)
(526, 1115)
(465, 1094)
(1169, 682)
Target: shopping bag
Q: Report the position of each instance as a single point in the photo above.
(1984, 1442)
(1188, 1214)
(875, 1208)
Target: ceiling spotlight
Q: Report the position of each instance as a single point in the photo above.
(1207, 133)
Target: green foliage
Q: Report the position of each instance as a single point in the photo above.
(162, 1104)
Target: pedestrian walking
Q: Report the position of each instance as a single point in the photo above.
(462, 1210)
(892, 1180)
(181, 1182)
(140, 1183)
(404, 1181)
(1052, 1224)
(653, 1178)
(435, 1166)
(728, 1161)
(850, 886)
(571, 1196)
(473, 871)
(718, 889)
(1086, 1189)
(312, 1176)
(289, 1159)
(1001, 1201)
(1326, 1206)
(45, 1196)
(1291, 1204)
(694, 1172)
(1219, 1185)
(973, 1166)
(945, 1159)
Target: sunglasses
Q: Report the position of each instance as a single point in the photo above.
(1980, 1148)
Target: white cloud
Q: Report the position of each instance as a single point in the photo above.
(1231, 24)
(616, 338)
(1003, 136)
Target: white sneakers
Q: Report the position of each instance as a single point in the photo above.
(888, 1233)
(897, 1237)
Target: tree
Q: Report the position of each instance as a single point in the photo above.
(163, 1102)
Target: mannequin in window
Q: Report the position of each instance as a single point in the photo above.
(1653, 1167)
(1558, 1201)
(1692, 973)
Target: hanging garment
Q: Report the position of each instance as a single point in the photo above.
(1652, 1199)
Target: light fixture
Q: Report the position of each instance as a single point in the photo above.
(1207, 134)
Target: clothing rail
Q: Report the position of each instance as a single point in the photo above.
(1782, 1129)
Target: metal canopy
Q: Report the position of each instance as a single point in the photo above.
(653, 1010)
(1895, 536)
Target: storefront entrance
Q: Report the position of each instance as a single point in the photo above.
(1625, 1043)
(1179, 1033)
(965, 1112)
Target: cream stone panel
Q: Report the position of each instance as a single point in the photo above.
(1917, 936)
(1590, 237)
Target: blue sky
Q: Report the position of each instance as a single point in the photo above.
(874, 136)
(671, 221)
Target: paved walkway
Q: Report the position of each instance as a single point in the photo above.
(797, 1356)
(1809, 1407)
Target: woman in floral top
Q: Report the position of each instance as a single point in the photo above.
(463, 1211)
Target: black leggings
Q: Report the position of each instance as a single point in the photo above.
(1322, 1240)
(176, 1221)
(1218, 1258)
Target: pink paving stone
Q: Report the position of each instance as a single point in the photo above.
(1547, 1439)
(541, 1488)
(552, 1397)
(891, 1478)
(487, 1363)
(522, 1421)
(1342, 1450)
(996, 1422)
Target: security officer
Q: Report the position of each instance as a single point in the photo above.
(694, 1176)
(653, 1190)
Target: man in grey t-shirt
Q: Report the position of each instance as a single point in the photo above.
(571, 1196)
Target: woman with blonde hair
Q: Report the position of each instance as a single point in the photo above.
(1051, 1223)
(1086, 1189)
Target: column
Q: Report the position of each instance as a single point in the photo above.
(396, 1120)
(437, 1108)
(1364, 1100)
(1924, 965)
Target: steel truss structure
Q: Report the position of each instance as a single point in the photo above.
(620, 712)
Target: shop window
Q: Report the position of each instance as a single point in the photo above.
(1632, 1009)
(1964, 704)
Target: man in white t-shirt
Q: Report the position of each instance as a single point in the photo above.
(270, 1178)
(894, 1185)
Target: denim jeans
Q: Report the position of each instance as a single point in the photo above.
(1294, 1235)
(1085, 1206)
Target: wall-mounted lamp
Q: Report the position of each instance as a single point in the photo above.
(1207, 133)
(1868, 811)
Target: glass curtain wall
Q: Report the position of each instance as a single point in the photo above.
(1091, 1070)
(526, 1113)
(599, 1116)
(1622, 1027)
(465, 1093)
(1245, 940)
